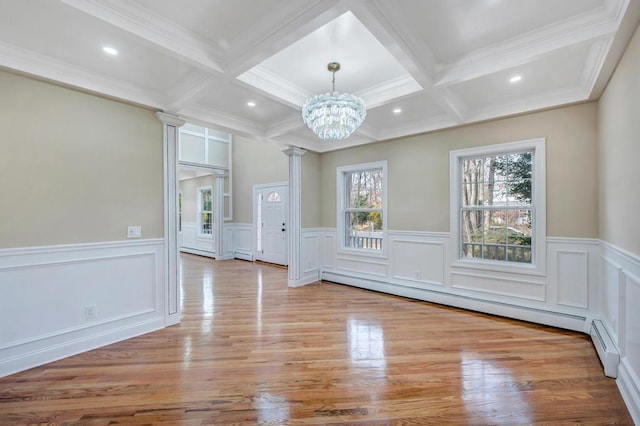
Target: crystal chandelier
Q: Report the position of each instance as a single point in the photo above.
(333, 116)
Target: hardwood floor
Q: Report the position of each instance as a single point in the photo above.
(250, 350)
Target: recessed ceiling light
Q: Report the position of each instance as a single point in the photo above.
(251, 104)
(110, 50)
(515, 79)
(397, 110)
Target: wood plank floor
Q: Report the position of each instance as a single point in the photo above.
(252, 351)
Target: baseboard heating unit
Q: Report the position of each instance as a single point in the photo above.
(607, 351)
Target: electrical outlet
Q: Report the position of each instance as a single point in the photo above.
(134, 231)
(90, 312)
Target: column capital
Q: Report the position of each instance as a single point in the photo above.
(294, 150)
(173, 120)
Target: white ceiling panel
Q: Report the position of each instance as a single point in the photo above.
(455, 28)
(559, 74)
(233, 99)
(69, 36)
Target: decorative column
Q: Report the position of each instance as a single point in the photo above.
(218, 213)
(170, 126)
(295, 213)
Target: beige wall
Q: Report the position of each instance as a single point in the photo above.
(619, 153)
(75, 168)
(189, 190)
(418, 168)
(254, 162)
(310, 190)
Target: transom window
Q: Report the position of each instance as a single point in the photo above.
(273, 197)
(205, 207)
(362, 206)
(499, 202)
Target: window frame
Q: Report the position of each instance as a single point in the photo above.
(341, 208)
(538, 206)
(200, 190)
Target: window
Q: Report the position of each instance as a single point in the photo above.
(205, 212)
(362, 206)
(212, 149)
(273, 197)
(498, 204)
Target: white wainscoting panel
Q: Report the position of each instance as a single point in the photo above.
(227, 242)
(632, 321)
(365, 266)
(47, 292)
(195, 243)
(417, 258)
(329, 249)
(310, 257)
(242, 241)
(621, 289)
(516, 287)
(189, 234)
(609, 296)
(424, 263)
(572, 278)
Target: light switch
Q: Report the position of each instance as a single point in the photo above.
(134, 231)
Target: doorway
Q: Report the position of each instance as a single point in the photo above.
(270, 214)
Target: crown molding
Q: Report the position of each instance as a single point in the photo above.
(595, 61)
(388, 90)
(266, 81)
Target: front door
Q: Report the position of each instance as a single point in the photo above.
(271, 222)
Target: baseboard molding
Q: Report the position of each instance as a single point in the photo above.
(197, 252)
(629, 386)
(243, 255)
(304, 280)
(554, 319)
(76, 346)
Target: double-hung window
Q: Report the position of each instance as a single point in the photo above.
(498, 205)
(205, 207)
(362, 205)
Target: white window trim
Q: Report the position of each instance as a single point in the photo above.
(200, 189)
(340, 171)
(538, 195)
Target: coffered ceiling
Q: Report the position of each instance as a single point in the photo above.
(247, 66)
